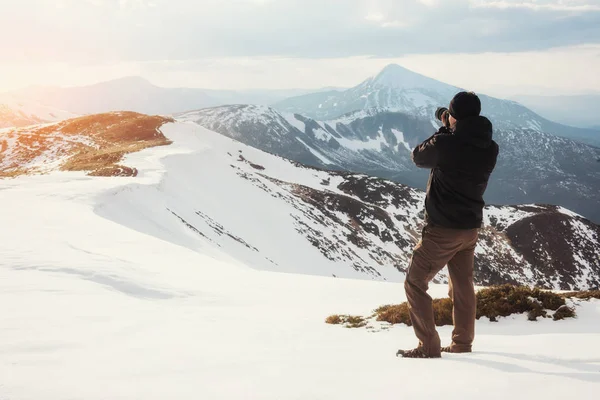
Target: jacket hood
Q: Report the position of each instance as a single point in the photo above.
(475, 130)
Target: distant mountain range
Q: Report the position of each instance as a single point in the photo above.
(139, 95)
(394, 89)
(581, 111)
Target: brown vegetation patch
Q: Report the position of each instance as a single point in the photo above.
(585, 295)
(95, 143)
(504, 300)
(493, 302)
(349, 321)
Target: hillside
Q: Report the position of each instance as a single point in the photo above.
(159, 311)
(273, 214)
(95, 144)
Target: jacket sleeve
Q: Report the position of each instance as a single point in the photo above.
(427, 154)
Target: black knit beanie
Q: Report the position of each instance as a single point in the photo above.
(465, 105)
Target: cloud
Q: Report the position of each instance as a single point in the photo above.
(538, 5)
(151, 30)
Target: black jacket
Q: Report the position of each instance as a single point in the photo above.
(461, 163)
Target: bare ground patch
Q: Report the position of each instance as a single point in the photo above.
(95, 144)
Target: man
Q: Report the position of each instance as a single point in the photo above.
(461, 156)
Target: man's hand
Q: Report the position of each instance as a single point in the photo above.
(446, 119)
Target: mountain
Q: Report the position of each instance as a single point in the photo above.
(139, 95)
(533, 167)
(400, 90)
(18, 111)
(217, 195)
(576, 110)
(125, 94)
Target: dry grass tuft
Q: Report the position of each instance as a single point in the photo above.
(399, 314)
(492, 302)
(504, 300)
(585, 295)
(394, 314)
(564, 312)
(349, 321)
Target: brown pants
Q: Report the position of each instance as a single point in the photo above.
(438, 247)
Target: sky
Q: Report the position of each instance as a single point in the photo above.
(502, 47)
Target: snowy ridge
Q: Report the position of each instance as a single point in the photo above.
(301, 220)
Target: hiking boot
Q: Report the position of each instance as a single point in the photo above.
(455, 349)
(414, 353)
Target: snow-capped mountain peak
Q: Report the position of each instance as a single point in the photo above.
(397, 77)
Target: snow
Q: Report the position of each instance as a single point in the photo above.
(51, 153)
(419, 99)
(396, 77)
(375, 144)
(568, 212)
(296, 123)
(350, 117)
(534, 125)
(581, 234)
(506, 215)
(105, 296)
(323, 135)
(400, 136)
(231, 115)
(268, 237)
(316, 153)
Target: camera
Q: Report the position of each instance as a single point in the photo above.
(439, 113)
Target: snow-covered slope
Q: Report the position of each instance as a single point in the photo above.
(16, 111)
(95, 310)
(533, 167)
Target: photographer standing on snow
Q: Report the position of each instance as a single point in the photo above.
(461, 156)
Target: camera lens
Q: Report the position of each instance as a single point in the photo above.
(439, 112)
